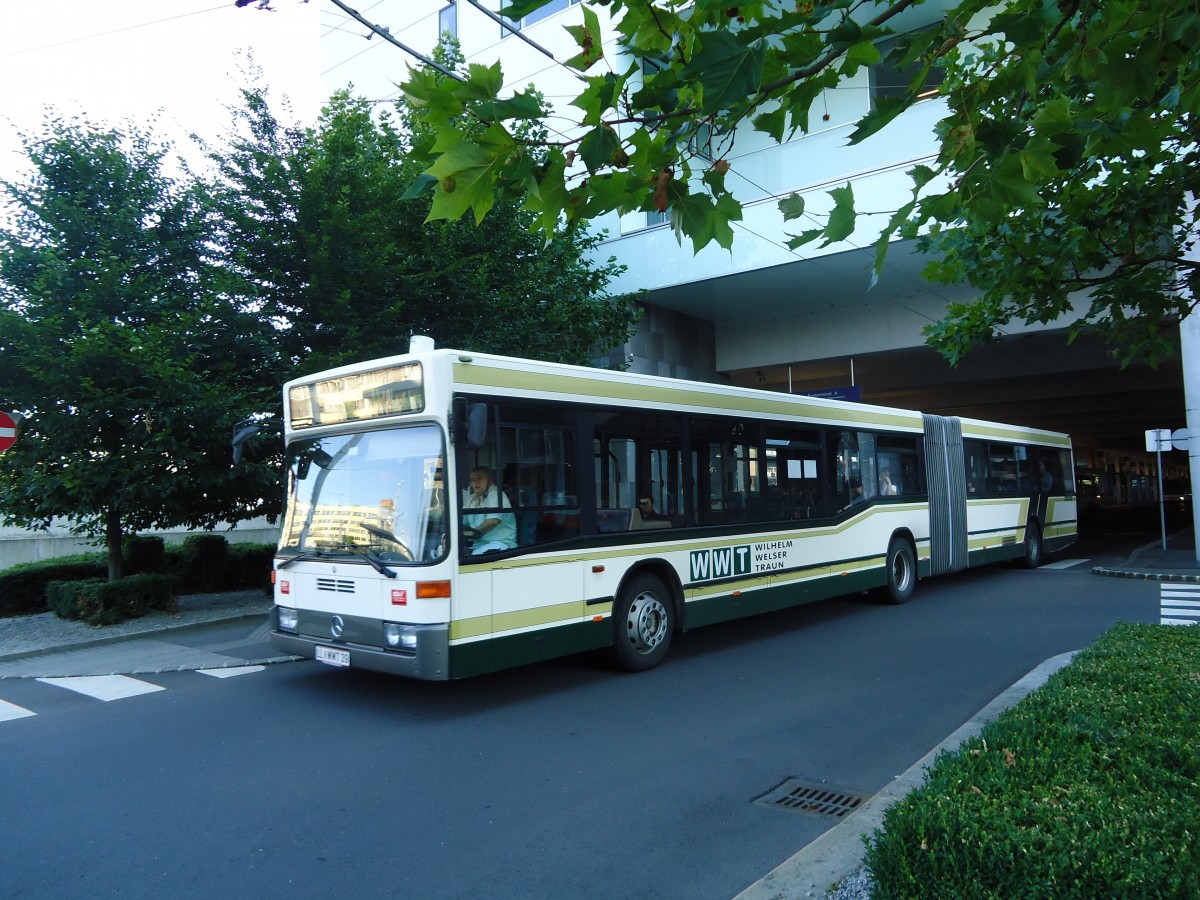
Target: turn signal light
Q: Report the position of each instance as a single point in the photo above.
(432, 590)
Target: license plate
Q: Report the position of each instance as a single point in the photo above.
(332, 657)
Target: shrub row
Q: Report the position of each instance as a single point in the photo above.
(23, 587)
(204, 563)
(98, 601)
(1090, 787)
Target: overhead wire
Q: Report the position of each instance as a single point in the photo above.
(100, 34)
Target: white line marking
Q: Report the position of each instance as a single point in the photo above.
(104, 687)
(231, 671)
(12, 711)
(1180, 591)
(1065, 564)
(1173, 609)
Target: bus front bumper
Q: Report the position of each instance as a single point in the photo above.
(429, 660)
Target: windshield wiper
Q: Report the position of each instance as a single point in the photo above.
(313, 554)
(377, 564)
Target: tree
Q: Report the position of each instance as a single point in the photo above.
(320, 225)
(122, 352)
(1067, 161)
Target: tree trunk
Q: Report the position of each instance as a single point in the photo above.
(112, 540)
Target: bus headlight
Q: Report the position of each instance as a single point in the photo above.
(400, 637)
(288, 620)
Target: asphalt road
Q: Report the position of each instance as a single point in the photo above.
(565, 779)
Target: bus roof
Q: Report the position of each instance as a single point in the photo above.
(491, 374)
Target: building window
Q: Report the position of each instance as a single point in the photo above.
(889, 80)
(448, 20)
(554, 6)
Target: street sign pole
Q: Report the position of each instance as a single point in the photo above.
(1162, 500)
(1158, 440)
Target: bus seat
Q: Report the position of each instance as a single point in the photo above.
(639, 522)
(609, 521)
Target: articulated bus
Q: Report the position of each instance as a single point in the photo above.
(453, 513)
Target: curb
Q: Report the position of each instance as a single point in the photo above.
(1175, 577)
(121, 638)
(838, 853)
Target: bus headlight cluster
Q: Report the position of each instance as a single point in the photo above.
(288, 620)
(400, 637)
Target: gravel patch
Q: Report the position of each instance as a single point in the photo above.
(857, 886)
(21, 635)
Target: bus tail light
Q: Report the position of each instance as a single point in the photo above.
(433, 590)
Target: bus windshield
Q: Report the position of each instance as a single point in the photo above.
(377, 494)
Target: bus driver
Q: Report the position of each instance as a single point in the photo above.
(489, 531)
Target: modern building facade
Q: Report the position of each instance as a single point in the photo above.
(763, 315)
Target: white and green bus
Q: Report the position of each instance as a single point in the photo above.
(453, 513)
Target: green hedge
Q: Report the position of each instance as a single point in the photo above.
(1087, 788)
(203, 564)
(250, 567)
(23, 586)
(102, 602)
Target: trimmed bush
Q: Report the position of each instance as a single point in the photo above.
(143, 554)
(100, 602)
(23, 586)
(1090, 787)
(203, 563)
(250, 567)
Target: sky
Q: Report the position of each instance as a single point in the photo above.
(127, 60)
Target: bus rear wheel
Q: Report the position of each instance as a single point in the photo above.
(901, 570)
(1033, 546)
(643, 621)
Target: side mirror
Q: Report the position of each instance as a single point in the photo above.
(242, 432)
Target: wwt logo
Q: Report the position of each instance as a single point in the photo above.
(720, 562)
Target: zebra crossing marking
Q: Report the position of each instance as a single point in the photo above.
(9, 711)
(1179, 604)
(112, 687)
(231, 671)
(1064, 564)
(104, 687)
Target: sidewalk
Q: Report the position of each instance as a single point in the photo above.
(1176, 563)
(207, 631)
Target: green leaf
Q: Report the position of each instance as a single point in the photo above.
(792, 207)
(589, 40)
(704, 220)
(842, 216)
(466, 174)
(727, 71)
(598, 148)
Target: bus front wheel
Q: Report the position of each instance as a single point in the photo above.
(901, 570)
(642, 624)
(1033, 546)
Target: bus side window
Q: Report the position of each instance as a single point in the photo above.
(537, 444)
(975, 458)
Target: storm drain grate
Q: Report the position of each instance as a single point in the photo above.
(800, 797)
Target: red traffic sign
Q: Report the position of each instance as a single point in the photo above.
(8, 431)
